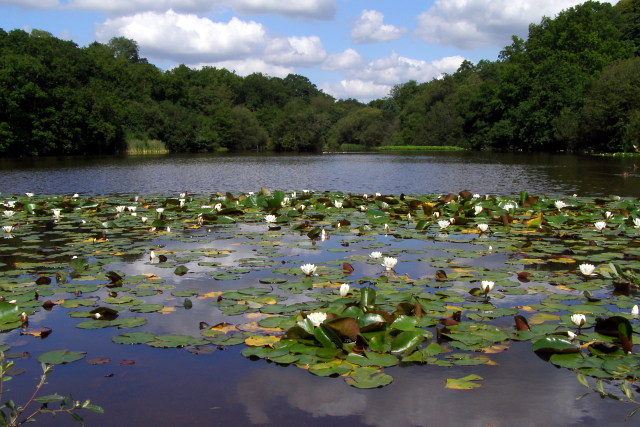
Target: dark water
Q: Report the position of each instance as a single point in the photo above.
(171, 387)
(487, 173)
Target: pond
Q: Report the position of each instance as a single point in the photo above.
(487, 173)
(207, 291)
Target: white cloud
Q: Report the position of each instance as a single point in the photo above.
(363, 91)
(245, 67)
(369, 28)
(139, 6)
(185, 37)
(300, 51)
(397, 69)
(469, 24)
(341, 61)
(297, 9)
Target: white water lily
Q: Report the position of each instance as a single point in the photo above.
(483, 227)
(28, 194)
(8, 214)
(476, 196)
(560, 204)
(387, 228)
(578, 319)
(143, 219)
(608, 215)
(168, 229)
(75, 195)
(56, 213)
(294, 194)
(375, 255)
(7, 228)
(436, 214)
(337, 203)
(444, 223)
(486, 286)
(384, 205)
(270, 218)
(308, 269)
(363, 208)
(477, 209)
(378, 194)
(120, 208)
(636, 222)
(344, 289)
(217, 207)
(389, 262)
(509, 206)
(587, 269)
(365, 196)
(571, 335)
(181, 201)
(323, 235)
(317, 317)
(152, 256)
(409, 217)
(160, 210)
(635, 310)
(183, 195)
(132, 208)
(600, 225)
(10, 203)
(284, 202)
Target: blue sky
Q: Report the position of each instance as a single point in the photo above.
(348, 48)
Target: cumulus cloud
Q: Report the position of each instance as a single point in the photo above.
(244, 67)
(186, 37)
(138, 6)
(369, 28)
(341, 61)
(396, 69)
(469, 24)
(298, 9)
(363, 91)
(300, 51)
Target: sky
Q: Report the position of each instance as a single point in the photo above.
(348, 48)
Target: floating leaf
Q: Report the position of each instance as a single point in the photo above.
(60, 357)
(465, 383)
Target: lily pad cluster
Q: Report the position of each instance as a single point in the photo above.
(339, 284)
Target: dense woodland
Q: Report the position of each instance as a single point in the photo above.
(573, 85)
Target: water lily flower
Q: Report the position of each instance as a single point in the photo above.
(483, 227)
(143, 219)
(10, 203)
(317, 317)
(571, 335)
(75, 195)
(509, 206)
(384, 205)
(436, 214)
(344, 290)
(363, 208)
(28, 194)
(409, 217)
(217, 207)
(378, 194)
(56, 213)
(8, 214)
(323, 235)
(152, 256)
(284, 202)
(477, 209)
(389, 262)
(587, 269)
(444, 223)
(294, 194)
(635, 310)
(608, 215)
(578, 319)
(476, 196)
(375, 255)
(132, 208)
(168, 229)
(636, 222)
(7, 228)
(270, 218)
(337, 203)
(183, 195)
(120, 208)
(600, 225)
(308, 269)
(486, 286)
(181, 201)
(560, 204)
(365, 196)
(160, 210)
(387, 228)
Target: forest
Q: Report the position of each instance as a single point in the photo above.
(572, 85)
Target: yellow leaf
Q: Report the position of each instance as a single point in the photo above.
(167, 310)
(224, 327)
(492, 363)
(493, 349)
(213, 294)
(563, 260)
(540, 318)
(260, 341)
(534, 221)
(564, 288)
(525, 308)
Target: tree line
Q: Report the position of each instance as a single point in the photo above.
(572, 85)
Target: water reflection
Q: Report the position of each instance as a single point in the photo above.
(494, 173)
